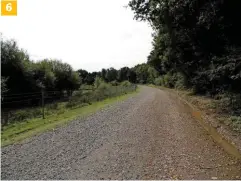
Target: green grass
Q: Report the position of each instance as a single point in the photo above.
(19, 131)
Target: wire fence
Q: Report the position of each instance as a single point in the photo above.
(10, 103)
(17, 107)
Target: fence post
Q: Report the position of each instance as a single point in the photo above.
(43, 104)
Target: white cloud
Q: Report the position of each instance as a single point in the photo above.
(87, 34)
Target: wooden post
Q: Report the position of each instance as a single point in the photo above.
(43, 104)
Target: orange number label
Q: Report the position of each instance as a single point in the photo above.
(9, 7)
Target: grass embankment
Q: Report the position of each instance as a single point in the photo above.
(18, 131)
(216, 108)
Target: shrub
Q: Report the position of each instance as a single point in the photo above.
(229, 102)
(181, 81)
(72, 103)
(84, 99)
(98, 95)
(114, 83)
(125, 83)
(77, 93)
(97, 82)
(167, 80)
(104, 86)
(159, 81)
(235, 123)
(21, 115)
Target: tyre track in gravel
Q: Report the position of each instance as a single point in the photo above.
(147, 136)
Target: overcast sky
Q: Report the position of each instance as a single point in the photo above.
(88, 34)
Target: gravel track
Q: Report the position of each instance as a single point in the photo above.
(148, 136)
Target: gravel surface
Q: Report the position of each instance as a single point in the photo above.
(148, 136)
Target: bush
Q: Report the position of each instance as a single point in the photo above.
(21, 115)
(168, 81)
(97, 82)
(84, 99)
(229, 102)
(126, 83)
(159, 81)
(181, 81)
(177, 80)
(77, 93)
(72, 103)
(235, 123)
(75, 104)
(104, 86)
(114, 83)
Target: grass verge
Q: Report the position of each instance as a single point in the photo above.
(19, 131)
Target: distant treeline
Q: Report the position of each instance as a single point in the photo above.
(21, 77)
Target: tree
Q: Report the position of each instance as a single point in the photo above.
(43, 75)
(198, 39)
(152, 74)
(66, 78)
(111, 74)
(16, 66)
(123, 74)
(103, 74)
(131, 75)
(141, 71)
(83, 74)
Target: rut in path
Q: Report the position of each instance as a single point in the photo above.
(148, 136)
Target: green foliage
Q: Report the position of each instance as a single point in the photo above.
(15, 65)
(195, 39)
(229, 102)
(103, 74)
(142, 74)
(167, 80)
(83, 74)
(102, 91)
(103, 86)
(18, 131)
(98, 81)
(123, 74)
(47, 74)
(24, 114)
(114, 83)
(180, 81)
(111, 74)
(43, 75)
(21, 115)
(75, 104)
(159, 81)
(152, 74)
(125, 83)
(3, 85)
(235, 123)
